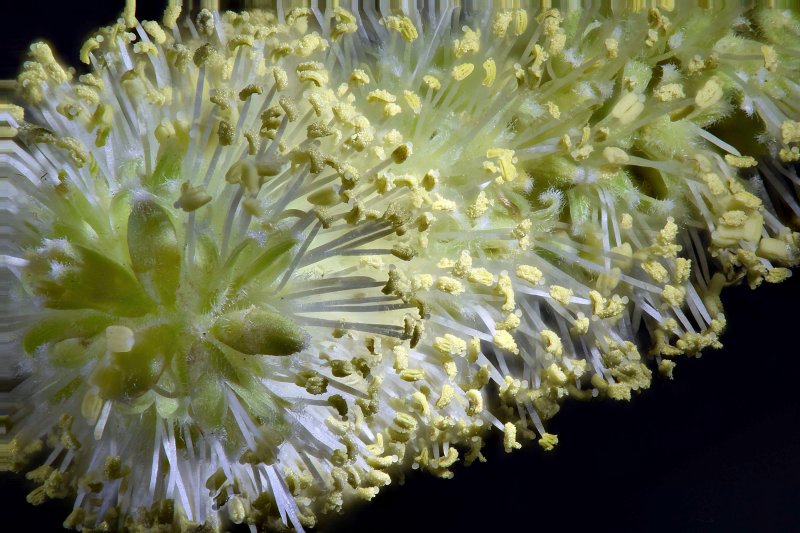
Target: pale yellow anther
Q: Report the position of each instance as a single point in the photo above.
(450, 345)
(581, 325)
(88, 47)
(553, 374)
(520, 21)
(191, 198)
(119, 339)
(612, 48)
(606, 308)
(500, 23)
(529, 273)
(552, 343)
(505, 163)
(446, 396)
(403, 26)
(714, 183)
(462, 265)
(382, 96)
(475, 399)
(172, 13)
(777, 275)
(770, 57)
(740, 161)
(461, 71)
(420, 403)
(441, 203)
(390, 110)
(432, 82)
(490, 70)
(790, 131)
(506, 289)
(481, 276)
(561, 294)
(683, 269)
(413, 101)
(470, 43)
(473, 349)
(548, 441)
(42, 53)
(511, 322)
(789, 155)
(733, 218)
(626, 222)
(412, 375)
(615, 156)
(553, 109)
(450, 368)
(281, 78)
(669, 92)
(400, 358)
(709, 94)
(504, 340)
(510, 437)
(155, 31)
(674, 296)
(129, 13)
(656, 271)
(628, 108)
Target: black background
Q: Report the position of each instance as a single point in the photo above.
(714, 450)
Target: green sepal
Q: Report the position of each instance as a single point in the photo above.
(154, 249)
(96, 282)
(62, 326)
(131, 374)
(256, 331)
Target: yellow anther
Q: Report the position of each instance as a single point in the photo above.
(790, 131)
(581, 325)
(628, 108)
(553, 374)
(87, 48)
(129, 13)
(172, 13)
(605, 308)
(552, 343)
(709, 94)
(490, 69)
(683, 269)
(470, 43)
(500, 23)
(191, 198)
(479, 207)
(561, 294)
(390, 110)
(770, 57)
(420, 403)
(553, 109)
(460, 72)
(740, 161)
(403, 26)
(503, 339)
(505, 289)
(382, 96)
(481, 276)
(412, 375)
(669, 92)
(505, 162)
(520, 21)
(446, 396)
(475, 399)
(413, 101)
(450, 345)
(449, 285)
(510, 438)
(511, 322)
(432, 82)
(548, 441)
(529, 273)
(155, 31)
(281, 78)
(674, 296)
(656, 271)
(626, 221)
(612, 48)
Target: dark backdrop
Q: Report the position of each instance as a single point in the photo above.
(714, 450)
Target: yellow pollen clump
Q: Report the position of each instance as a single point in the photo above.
(505, 289)
(432, 82)
(449, 285)
(470, 43)
(503, 339)
(669, 92)
(510, 438)
(790, 131)
(490, 68)
(450, 345)
(529, 273)
(413, 101)
(552, 343)
(740, 161)
(561, 294)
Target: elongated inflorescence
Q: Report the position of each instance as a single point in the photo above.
(262, 262)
